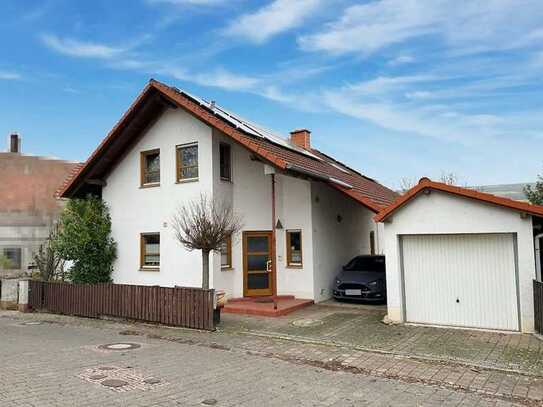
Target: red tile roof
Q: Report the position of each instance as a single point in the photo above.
(28, 183)
(426, 183)
(364, 190)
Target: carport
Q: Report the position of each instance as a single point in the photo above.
(458, 257)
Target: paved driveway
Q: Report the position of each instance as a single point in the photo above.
(60, 363)
(361, 327)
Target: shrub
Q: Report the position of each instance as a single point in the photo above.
(84, 238)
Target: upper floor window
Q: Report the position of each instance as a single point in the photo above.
(225, 159)
(150, 250)
(294, 248)
(150, 168)
(12, 258)
(187, 162)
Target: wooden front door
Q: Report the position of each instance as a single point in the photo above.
(257, 264)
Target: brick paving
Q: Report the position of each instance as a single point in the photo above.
(234, 369)
(362, 328)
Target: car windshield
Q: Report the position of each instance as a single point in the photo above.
(366, 264)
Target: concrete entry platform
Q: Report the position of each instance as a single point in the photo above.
(265, 306)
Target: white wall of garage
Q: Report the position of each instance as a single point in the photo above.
(443, 213)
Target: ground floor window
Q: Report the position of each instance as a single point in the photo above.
(11, 258)
(150, 251)
(294, 248)
(226, 254)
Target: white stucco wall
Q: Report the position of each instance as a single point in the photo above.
(136, 210)
(250, 194)
(441, 213)
(336, 242)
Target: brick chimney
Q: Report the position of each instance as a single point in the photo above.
(14, 143)
(301, 138)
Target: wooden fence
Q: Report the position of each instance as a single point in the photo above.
(538, 306)
(180, 306)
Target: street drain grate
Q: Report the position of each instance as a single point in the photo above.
(121, 379)
(303, 323)
(120, 346)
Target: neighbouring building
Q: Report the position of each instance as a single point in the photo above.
(512, 191)
(28, 206)
(304, 213)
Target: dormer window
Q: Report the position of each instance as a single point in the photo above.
(150, 168)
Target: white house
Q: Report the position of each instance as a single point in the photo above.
(458, 257)
(304, 213)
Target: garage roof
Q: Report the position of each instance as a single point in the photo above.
(156, 97)
(427, 184)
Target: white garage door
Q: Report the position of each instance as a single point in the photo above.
(461, 280)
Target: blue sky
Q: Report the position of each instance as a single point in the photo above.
(395, 88)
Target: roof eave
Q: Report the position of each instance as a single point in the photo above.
(520, 207)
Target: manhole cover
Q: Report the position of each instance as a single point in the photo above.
(98, 377)
(209, 402)
(307, 322)
(120, 346)
(115, 383)
(30, 323)
(152, 380)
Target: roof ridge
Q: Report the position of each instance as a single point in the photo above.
(365, 190)
(427, 183)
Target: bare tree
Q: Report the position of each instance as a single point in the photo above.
(48, 259)
(406, 184)
(205, 224)
(449, 178)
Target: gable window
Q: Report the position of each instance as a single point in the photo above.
(150, 168)
(150, 251)
(13, 258)
(225, 159)
(294, 248)
(226, 254)
(187, 162)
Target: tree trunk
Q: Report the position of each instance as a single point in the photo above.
(205, 269)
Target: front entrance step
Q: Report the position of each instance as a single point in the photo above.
(265, 306)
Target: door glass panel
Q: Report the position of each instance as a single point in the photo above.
(257, 281)
(257, 262)
(257, 244)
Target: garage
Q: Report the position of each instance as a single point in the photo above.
(468, 280)
(456, 257)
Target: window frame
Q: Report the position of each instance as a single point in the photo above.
(179, 166)
(144, 267)
(227, 266)
(17, 266)
(227, 178)
(143, 156)
(290, 263)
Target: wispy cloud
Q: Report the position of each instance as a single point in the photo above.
(219, 78)
(81, 49)
(373, 26)
(273, 19)
(188, 2)
(401, 60)
(9, 76)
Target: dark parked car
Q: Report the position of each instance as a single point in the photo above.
(363, 278)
